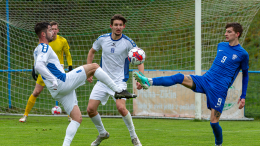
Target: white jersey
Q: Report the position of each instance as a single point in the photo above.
(44, 53)
(114, 56)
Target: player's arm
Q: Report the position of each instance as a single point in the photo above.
(66, 50)
(90, 58)
(42, 69)
(91, 55)
(141, 69)
(245, 79)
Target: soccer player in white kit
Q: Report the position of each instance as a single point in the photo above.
(115, 47)
(62, 85)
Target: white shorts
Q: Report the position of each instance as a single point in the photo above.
(68, 101)
(102, 92)
(66, 90)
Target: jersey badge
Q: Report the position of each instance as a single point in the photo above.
(234, 56)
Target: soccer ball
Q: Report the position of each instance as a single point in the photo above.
(136, 56)
(56, 110)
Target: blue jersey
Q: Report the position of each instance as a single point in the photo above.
(227, 64)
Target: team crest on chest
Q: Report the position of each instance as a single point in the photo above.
(234, 56)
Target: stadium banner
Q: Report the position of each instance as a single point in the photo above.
(179, 101)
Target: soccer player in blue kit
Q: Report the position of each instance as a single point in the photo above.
(231, 57)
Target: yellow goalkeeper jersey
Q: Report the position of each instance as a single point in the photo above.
(61, 46)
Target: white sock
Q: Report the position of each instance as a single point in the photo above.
(70, 132)
(103, 77)
(99, 125)
(130, 125)
(150, 80)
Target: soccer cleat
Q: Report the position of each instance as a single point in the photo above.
(99, 139)
(69, 118)
(218, 145)
(142, 80)
(23, 119)
(136, 142)
(124, 94)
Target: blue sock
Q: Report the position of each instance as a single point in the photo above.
(217, 130)
(168, 80)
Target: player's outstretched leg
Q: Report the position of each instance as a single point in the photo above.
(159, 81)
(94, 70)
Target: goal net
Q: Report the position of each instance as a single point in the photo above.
(164, 29)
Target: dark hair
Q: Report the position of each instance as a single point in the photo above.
(236, 27)
(118, 17)
(54, 23)
(40, 27)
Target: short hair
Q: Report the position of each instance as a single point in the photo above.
(40, 27)
(236, 27)
(54, 23)
(118, 17)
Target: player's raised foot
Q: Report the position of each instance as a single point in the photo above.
(142, 80)
(136, 142)
(23, 119)
(124, 94)
(100, 138)
(69, 118)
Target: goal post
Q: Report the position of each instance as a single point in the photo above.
(167, 30)
(198, 55)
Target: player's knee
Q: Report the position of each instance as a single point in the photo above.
(36, 93)
(179, 78)
(80, 119)
(91, 111)
(95, 66)
(121, 109)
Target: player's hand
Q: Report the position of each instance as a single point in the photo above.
(90, 79)
(138, 86)
(70, 68)
(54, 85)
(34, 75)
(242, 102)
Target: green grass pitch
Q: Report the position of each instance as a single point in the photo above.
(50, 131)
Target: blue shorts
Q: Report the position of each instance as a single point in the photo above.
(216, 94)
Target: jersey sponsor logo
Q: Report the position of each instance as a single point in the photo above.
(78, 71)
(112, 50)
(234, 56)
(113, 45)
(220, 50)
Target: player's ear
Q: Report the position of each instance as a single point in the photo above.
(237, 34)
(110, 26)
(43, 34)
(124, 25)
